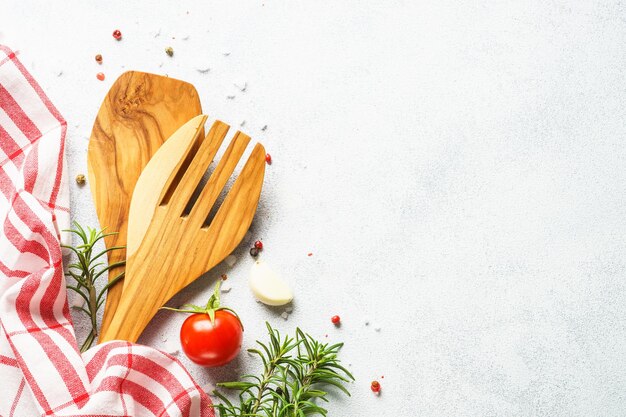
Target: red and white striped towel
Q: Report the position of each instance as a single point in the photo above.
(40, 366)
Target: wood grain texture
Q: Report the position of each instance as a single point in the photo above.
(137, 115)
(159, 169)
(177, 248)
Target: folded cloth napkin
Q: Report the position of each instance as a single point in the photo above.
(41, 368)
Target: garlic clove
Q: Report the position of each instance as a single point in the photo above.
(267, 286)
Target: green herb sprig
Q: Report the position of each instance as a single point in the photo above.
(86, 271)
(295, 373)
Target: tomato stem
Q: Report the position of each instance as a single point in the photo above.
(212, 305)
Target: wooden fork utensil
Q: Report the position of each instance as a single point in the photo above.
(177, 241)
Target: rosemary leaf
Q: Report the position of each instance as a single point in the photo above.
(296, 373)
(86, 272)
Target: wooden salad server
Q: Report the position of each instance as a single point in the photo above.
(181, 242)
(137, 115)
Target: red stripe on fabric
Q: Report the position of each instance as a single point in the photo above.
(47, 204)
(66, 370)
(16, 400)
(128, 367)
(64, 367)
(150, 368)
(5, 360)
(24, 245)
(73, 402)
(204, 398)
(31, 220)
(57, 115)
(139, 394)
(182, 401)
(99, 359)
(46, 101)
(38, 329)
(180, 396)
(59, 359)
(17, 158)
(68, 316)
(59, 174)
(12, 273)
(52, 293)
(10, 55)
(31, 167)
(32, 382)
(52, 206)
(8, 145)
(16, 113)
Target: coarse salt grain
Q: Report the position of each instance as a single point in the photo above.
(285, 315)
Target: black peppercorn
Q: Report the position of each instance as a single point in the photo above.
(254, 252)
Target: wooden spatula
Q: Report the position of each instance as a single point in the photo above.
(137, 115)
(180, 243)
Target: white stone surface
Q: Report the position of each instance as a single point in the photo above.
(455, 167)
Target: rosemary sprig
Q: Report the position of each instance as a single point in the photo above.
(86, 271)
(295, 373)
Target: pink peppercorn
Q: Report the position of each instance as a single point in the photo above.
(375, 386)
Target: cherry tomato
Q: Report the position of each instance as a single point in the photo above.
(211, 344)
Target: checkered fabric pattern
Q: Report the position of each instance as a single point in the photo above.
(41, 368)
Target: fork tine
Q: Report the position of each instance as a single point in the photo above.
(219, 177)
(240, 204)
(198, 166)
(193, 127)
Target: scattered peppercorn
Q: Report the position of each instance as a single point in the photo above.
(310, 254)
(335, 319)
(117, 34)
(258, 244)
(375, 387)
(169, 51)
(100, 76)
(224, 277)
(268, 159)
(254, 252)
(99, 59)
(80, 179)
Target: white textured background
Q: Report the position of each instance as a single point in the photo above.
(456, 169)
